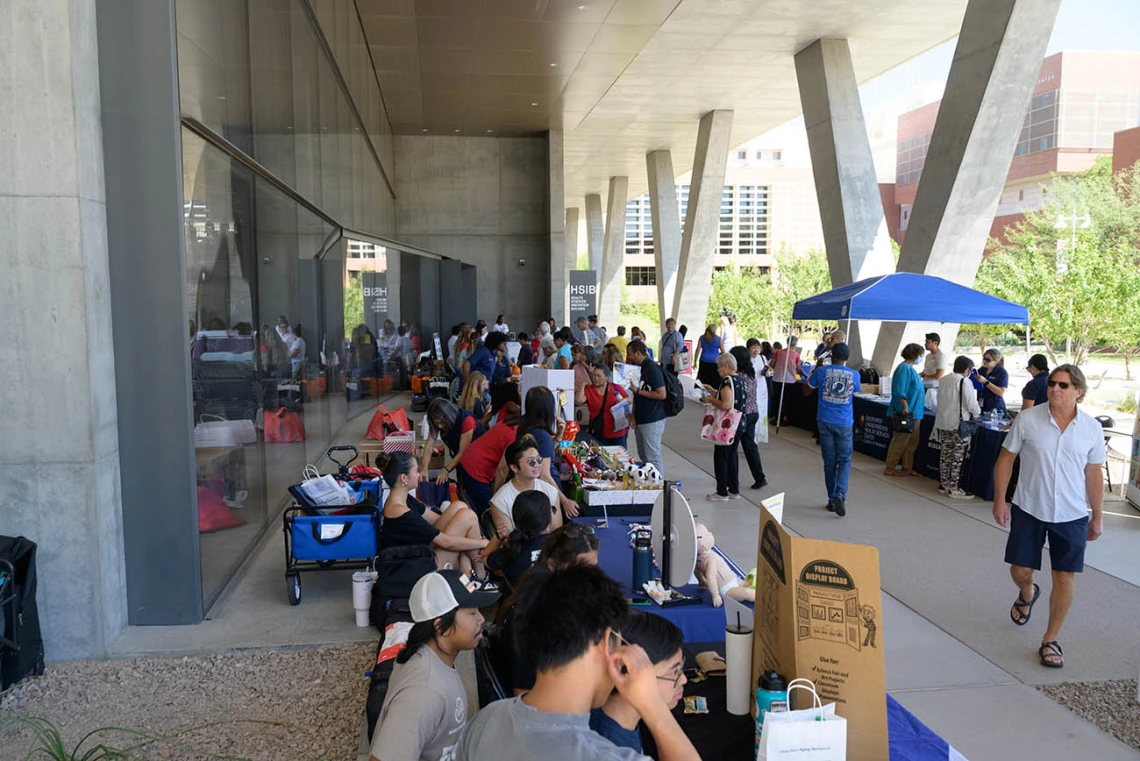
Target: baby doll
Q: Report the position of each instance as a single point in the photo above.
(714, 573)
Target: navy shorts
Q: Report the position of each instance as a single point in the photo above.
(1027, 536)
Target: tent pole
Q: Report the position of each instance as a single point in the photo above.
(783, 387)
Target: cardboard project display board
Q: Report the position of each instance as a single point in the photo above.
(818, 617)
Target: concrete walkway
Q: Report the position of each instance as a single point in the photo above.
(952, 655)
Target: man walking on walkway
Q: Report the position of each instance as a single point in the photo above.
(837, 384)
(648, 405)
(1062, 452)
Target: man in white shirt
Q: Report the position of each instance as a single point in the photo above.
(934, 366)
(1062, 452)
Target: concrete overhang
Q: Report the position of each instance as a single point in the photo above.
(623, 77)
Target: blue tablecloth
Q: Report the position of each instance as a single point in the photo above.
(699, 623)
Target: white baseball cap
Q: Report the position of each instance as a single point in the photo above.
(440, 592)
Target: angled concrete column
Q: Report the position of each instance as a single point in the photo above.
(702, 221)
(559, 262)
(991, 81)
(850, 207)
(571, 239)
(609, 284)
(595, 231)
(666, 228)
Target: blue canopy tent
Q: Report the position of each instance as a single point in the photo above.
(908, 297)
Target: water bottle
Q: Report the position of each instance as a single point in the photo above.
(771, 696)
(642, 563)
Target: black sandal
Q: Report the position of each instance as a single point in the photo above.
(1048, 650)
(1024, 608)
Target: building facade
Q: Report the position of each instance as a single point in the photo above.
(1080, 101)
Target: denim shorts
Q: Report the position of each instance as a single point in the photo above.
(1027, 536)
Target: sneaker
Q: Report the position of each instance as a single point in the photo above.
(717, 497)
(840, 507)
(943, 488)
(830, 506)
(759, 484)
(734, 495)
(960, 494)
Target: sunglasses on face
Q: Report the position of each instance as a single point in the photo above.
(533, 461)
(988, 359)
(1063, 384)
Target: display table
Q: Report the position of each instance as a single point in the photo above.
(873, 431)
(798, 410)
(622, 503)
(699, 623)
(721, 735)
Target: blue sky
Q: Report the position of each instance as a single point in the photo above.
(1081, 25)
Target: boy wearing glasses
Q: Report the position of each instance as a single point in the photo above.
(1062, 452)
(617, 720)
(572, 637)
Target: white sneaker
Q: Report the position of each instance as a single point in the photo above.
(959, 494)
(716, 497)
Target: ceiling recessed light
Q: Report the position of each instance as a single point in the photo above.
(581, 7)
(221, 97)
(490, 130)
(534, 104)
(457, 130)
(554, 65)
(425, 129)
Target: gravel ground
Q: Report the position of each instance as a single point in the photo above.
(1111, 706)
(313, 700)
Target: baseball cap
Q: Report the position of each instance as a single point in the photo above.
(840, 351)
(1039, 362)
(440, 592)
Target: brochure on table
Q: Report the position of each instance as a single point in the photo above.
(1134, 460)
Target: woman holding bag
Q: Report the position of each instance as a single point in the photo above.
(957, 405)
(728, 397)
(600, 396)
(906, 409)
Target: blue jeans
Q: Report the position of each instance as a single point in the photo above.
(835, 444)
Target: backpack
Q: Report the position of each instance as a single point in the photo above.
(674, 394)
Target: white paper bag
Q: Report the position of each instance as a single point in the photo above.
(813, 734)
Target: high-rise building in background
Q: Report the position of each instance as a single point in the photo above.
(1082, 99)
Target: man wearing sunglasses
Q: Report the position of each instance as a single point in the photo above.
(570, 631)
(1062, 452)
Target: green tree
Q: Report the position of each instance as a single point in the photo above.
(353, 303)
(1076, 279)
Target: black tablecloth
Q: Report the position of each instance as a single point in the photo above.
(798, 410)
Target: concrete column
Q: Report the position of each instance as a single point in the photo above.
(850, 207)
(702, 222)
(595, 231)
(571, 239)
(991, 80)
(666, 228)
(59, 442)
(560, 263)
(609, 284)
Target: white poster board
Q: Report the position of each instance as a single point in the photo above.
(513, 348)
(1133, 492)
(555, 380)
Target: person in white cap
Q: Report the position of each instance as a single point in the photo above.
(426, 706)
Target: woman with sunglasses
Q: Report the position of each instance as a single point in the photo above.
(991, 381)
(617, 720)
(525, 465)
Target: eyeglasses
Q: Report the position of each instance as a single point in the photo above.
(1063, 384)
(533, 461)
(674, 679)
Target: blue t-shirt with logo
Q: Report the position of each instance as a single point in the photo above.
(601, 723)
(837, 384)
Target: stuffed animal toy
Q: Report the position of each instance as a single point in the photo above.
(714, 573)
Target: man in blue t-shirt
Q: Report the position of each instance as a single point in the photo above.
(837, 384)
(648, 405)
(483, 358)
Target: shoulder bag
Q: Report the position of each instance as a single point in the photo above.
(966, 428)
(904, 422)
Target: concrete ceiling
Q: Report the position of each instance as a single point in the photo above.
(623, 77)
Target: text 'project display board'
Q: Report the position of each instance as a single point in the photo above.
(819, 617)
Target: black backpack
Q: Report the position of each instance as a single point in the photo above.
(674, 393)
(21, 644)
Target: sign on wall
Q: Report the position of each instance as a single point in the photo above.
(375, 300)
(583, 294)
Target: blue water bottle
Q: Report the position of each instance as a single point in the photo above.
(642, 563)
(771, 697)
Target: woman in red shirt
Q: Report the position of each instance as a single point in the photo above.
(480, 461)
(600, 396)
